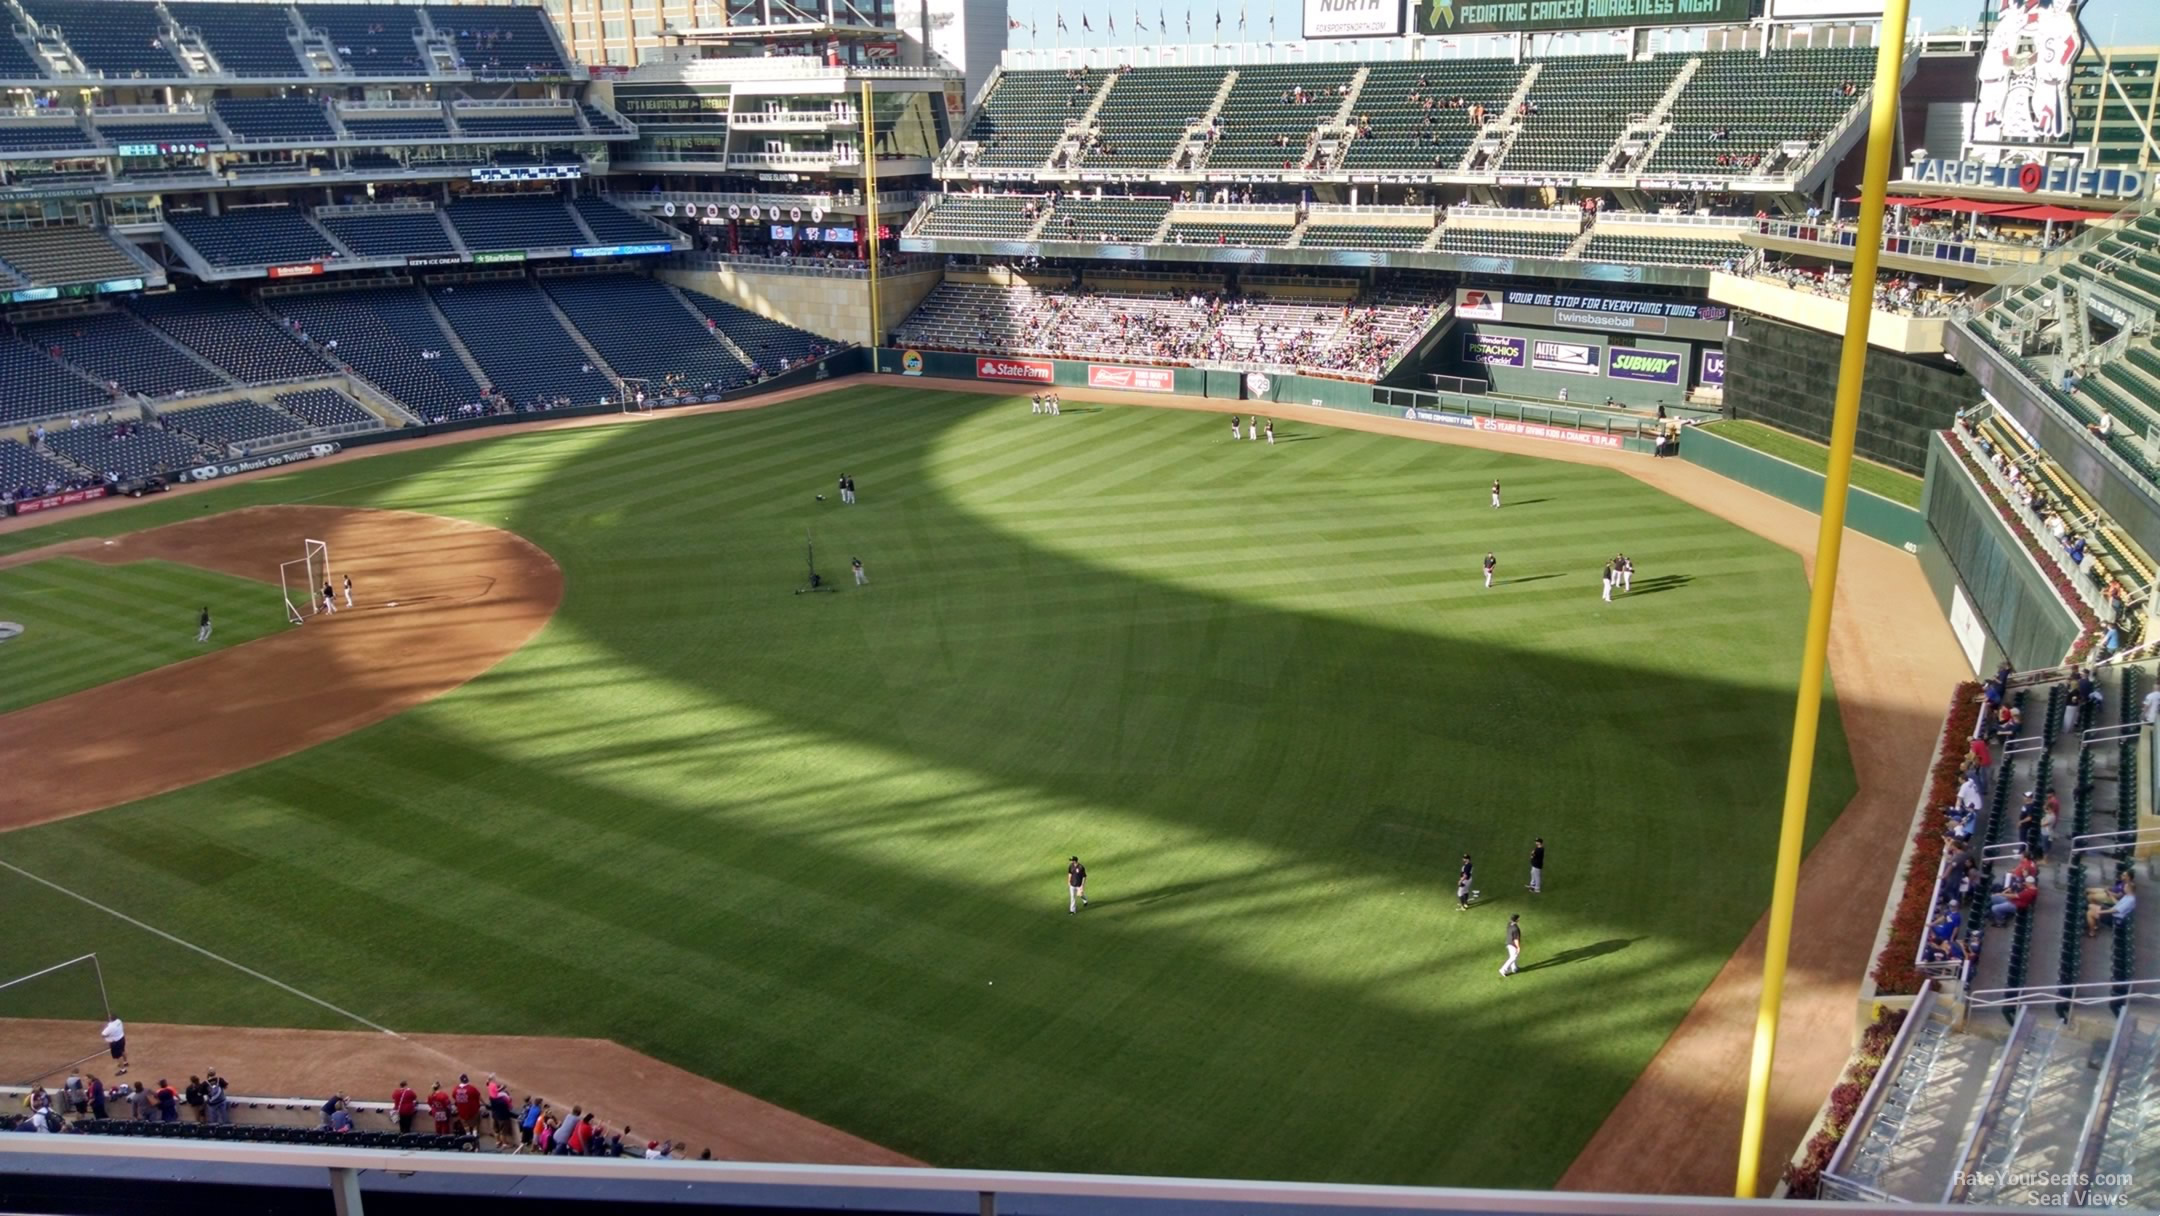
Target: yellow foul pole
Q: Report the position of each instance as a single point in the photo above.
(870, 221)
(1852, 365)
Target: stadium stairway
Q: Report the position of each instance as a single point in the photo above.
(592, 353)
(725, 340)
(456, 345)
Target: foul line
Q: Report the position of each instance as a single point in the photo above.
(209, 954)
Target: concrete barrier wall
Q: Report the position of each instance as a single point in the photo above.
(1865, 513)
(831, 307)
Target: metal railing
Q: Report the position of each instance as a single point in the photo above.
(2113, 842)
(1669, 219)
(2097, 992)
(1841, 1165)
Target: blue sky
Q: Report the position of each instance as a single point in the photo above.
(2121, 22)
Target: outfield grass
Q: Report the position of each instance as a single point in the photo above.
(1875, 478)
(85, 624)
(813, 846)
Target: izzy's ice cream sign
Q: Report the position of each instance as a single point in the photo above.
(2032, 179)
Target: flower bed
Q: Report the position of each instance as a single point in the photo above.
(1803, 1175)
(2089, 627)
(1895, 974)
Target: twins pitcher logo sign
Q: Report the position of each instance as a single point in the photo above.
(2024, 77)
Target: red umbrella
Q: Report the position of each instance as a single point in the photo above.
(2054, 214)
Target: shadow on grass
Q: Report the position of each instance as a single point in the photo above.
(1663, 582)
(1581, 954)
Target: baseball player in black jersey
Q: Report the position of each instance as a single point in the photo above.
(1462, 886)
(1514, 945)
(1537, 865)
(1490, 562)
(1075, 885)
(1496, 495)
(329, 598)
(202, 627)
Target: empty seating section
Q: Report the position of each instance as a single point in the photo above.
(1585, 103)
(1363, 236)
(1262, 106)
(642, 329)
(45, 135)
(25, 474)
(325, 407)
(419, 125)
(258, 1134)
(1172, 327)
(282, 119)
(390, 337)
(1024, 116)
(1506, 242)
(371, 39)
(128, 449)
(198, 134)
(224, 328)
(1401, 136)
(1144, 118)
(1096, 219)
(253, 236)
(117, 37)
(532, 222)
(246, 39)
(116, 347)
(1760, 102)
(519, 344)
(499, 39)
(1675, 251)
(379, 234)
(65, 254)
(600, 120)
(231, 422)
(615, 226)
(987, 216)
(544, 125)
(768, 343)
(1211, 232)
(33, 386)
(16, 62)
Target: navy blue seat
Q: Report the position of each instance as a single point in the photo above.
(528, 222)
(42, 135)
(184, 132)
(642, 330)
(769, 344)
(27, 474)
(230, 422)
(615, 226)
(118, 39)
(386, 234)
(500, 40)
(282, 119)
(521, 126)
(130, 449)
(65, 253)
(116, 346)
(325, 407)
(404, 126)
(519, 344)
(382, 334)
(372, 39)
(222, 327)
(247, 39)
(253, 236)
(32, 385)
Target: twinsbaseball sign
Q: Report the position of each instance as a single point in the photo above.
(1034, 371)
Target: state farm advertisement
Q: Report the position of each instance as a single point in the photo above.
(1533, 430)
(1034, 371)
(1138, 379)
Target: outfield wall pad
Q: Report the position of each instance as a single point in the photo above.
(1866, 513)
(2006, 597)
(1787, 376)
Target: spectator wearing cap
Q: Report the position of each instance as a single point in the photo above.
(216, 1100)
(465, 1099)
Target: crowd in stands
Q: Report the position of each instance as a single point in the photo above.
(2027, 491)
(483, 1116)
(1193, 327)
(1897, 294)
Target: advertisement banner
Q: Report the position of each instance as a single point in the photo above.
(1442, 417)
(434, 259)
(1641, 308)
(294, 272)
(1353, 18)
(1473, 304)
(31, 505)
(1572, 358)
(1138, 379)
(1457, 17)
(911, 363)
(1493, 350)
(1034, 371)
(1713, 368)
(211, 472)
(1535, 430)
(1651, 366)
(498, 255)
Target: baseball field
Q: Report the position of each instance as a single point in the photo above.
(601, 772)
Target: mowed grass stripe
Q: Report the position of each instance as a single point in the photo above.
(813, 846)
(86, 624)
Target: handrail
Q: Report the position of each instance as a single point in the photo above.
(1923, 1009)
(1991, 1107)
(2111, 842)
(2071, 994)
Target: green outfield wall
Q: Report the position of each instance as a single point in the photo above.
(1973, 554)
(1865, 513)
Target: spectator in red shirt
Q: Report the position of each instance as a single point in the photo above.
(404, 1103)
(581, 1137)
(438, 1105)
(466, 1098)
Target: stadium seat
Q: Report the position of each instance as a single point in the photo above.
(325, 407)
(376, 234)
(33, 385)
(367, 43)
(247, 40)
(65, 253)
(615, 226)
(531, 221)
(501, 40)
(1670, 251)
(276, 119)
(114, 346)
(381, 333)
(1254, 113)
(253, 236)
(27, 474)
(516, 339)
(986, 216)
(120, 40)
(642, 329)
(223, 327)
